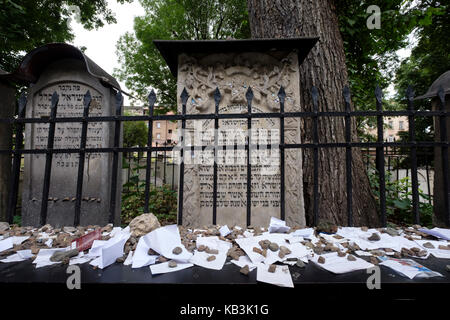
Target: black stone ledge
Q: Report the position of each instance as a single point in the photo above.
(25, 272)
(204, 287)
(171, 49)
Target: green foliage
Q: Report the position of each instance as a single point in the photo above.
(162, 200)
(399, 200)
(429, 59)
(17, 220)
(142, 65)
(134, 133)
(26, 24)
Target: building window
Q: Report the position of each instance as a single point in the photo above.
(391, 124)
(170, 131)
(391, 139)
(158, 124)
(400, 125)
(158, 136)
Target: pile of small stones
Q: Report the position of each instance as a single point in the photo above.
(63, 237)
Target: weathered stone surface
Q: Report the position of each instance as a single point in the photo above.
(351, 257)
(211, 251)
(71, 80)
(374, 237)
(374, 260)
(257, 250)
(300, 263)
(264, 244)
(233, 73)
(406, 252)
(428, 245)
(391, 231)
(273, 246)
(245, 270)
(144, 224)
(69, 229)
(201, 248)
(285, 250)
(4, 226)
(272, 268)
(177, 250)
(172, 264)
(442, 247)
(7, 108)
(61, 255)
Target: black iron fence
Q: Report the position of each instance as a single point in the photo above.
(163, 174)
(379, 146)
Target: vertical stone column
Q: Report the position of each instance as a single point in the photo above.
(438, 188)
(7, 103)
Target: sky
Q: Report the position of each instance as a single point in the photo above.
(101, 43)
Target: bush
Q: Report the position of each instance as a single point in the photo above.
(399, 200)
(162, 201)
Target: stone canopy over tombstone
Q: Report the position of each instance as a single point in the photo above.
(233, 66)
(65, 69)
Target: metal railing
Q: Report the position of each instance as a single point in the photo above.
(412, 144)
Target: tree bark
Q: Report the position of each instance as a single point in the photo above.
(324, 68)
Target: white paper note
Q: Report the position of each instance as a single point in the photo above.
(338, 265)
(278, 226)
(164, 267)
(281, 277)
(163, 240)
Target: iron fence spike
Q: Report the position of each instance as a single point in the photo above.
(87, 99)
(378, 94)
(346, 93)
(249, 94)
(217, 96)
(441, 94)
(281, 94)
(151, 98)
(314, 94)
(184, 96)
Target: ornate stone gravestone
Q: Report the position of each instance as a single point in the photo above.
(233, 67)
(66, 71)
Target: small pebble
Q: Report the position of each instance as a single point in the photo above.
(300, 263)
(351, 257)
(211, 258)
(273, 246)
(321, 260)
(272, 268)
(211, 251)
(177, 250)
(374, 237)
(245, 270)
(172, 264)
(428, 245)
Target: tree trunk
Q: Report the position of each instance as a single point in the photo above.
(324, 68)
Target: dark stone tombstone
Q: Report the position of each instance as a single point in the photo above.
(7, 103)
(66, 70)
(439, 195)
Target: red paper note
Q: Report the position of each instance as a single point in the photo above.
(85, 242)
